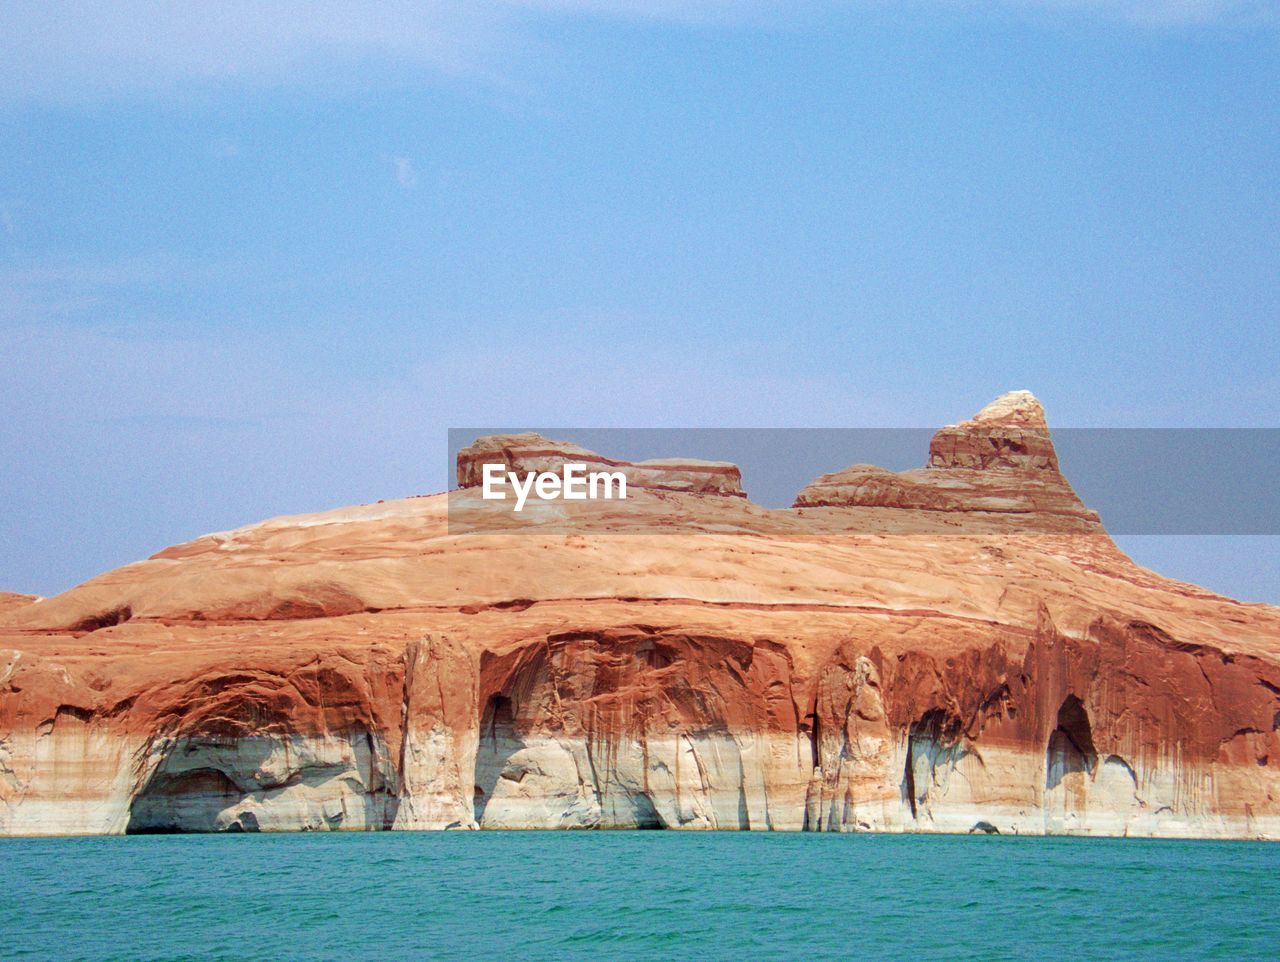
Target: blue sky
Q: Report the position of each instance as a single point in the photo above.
(256, 259)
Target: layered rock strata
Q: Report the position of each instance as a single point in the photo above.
(532, 453)
(679, 660)
(996, 472)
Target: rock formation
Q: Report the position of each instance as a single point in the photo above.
(10, 601)
(525, 453)
(996, 472)
(957, 648)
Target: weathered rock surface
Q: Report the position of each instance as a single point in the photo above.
(526, 453)
(869, 660)
(996, 472)
(10, 601)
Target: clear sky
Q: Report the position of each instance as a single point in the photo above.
(256, 258)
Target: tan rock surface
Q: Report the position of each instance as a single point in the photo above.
(679, 659)
(10, 601)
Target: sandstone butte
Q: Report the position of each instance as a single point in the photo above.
(953, 649)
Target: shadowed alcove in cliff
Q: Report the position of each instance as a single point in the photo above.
(498, 742)
(542, 780)
(217, 783)
(933, 751)
(1070, 748)
(256, 750)
(189, 801)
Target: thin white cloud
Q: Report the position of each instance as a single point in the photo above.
(406, 176)
(85, 49)
(1152, 13)
(75, 50)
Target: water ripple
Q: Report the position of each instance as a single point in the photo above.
(635, 895)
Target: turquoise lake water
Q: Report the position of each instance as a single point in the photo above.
(641, 895)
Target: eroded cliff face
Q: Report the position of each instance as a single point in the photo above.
(859, 662)
(640, 728)
(1059, 739)
(238, 740)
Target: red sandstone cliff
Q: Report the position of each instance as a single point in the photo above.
(955, 648)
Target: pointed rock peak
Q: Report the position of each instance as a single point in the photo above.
(1015, 407)
(1010, 432)
(996, 472)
